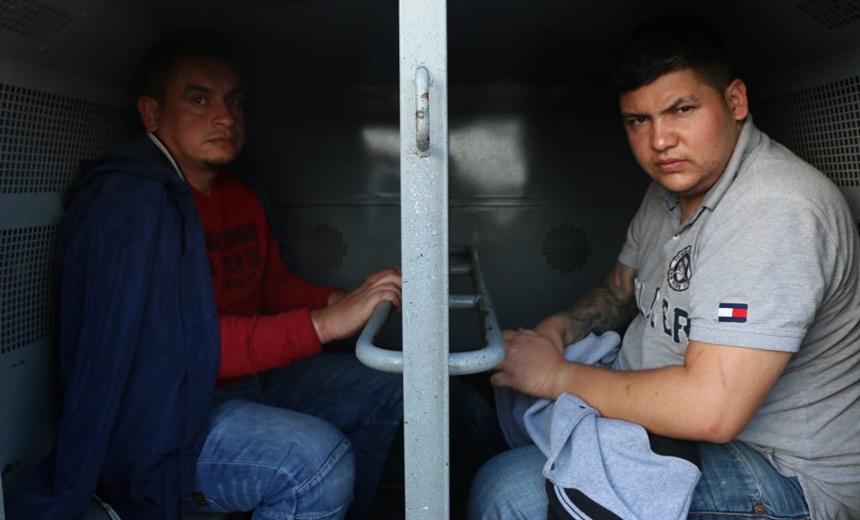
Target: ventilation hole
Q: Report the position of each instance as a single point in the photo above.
(821, 125)
(43, 137)
(32, 19)
(321, 249)
(832, 13)
(26, 256)
(566, 248)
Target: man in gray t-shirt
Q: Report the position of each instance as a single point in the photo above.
(740, 273)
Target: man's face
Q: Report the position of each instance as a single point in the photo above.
(683, 131)
(201, 119)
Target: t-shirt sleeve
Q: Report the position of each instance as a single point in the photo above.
(761, 274)
(254, 344)
(630, 251)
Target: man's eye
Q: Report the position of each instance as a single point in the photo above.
(235, 101)
(685, 109)
(636, 121)
(198, 100)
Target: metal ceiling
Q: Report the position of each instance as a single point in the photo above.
(348, 41)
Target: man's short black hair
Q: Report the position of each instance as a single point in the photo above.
(158, 66)
(669, 44)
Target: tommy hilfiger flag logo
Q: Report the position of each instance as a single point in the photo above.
(733, 312)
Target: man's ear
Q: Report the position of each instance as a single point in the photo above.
(150, 112)
(736, 99)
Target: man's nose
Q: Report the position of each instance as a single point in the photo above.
(663, 136)
(224, 114)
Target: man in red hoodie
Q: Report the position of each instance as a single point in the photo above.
(191, 373)
(281, 443)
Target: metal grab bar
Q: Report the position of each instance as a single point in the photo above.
(459, 363)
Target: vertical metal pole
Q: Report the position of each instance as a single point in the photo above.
(424, 250)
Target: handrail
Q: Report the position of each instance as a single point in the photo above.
(459, 363)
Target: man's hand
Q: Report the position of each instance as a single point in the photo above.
(347, 313)
(532, 364)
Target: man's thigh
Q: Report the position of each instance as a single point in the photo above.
(738, 482)
(338, 389)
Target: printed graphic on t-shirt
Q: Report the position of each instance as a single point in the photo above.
(234, 256)
(680, 270)
(660, 314)
(659, 305)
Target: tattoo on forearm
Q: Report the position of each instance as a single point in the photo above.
(609, 307)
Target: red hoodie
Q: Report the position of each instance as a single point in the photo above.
(263, 308)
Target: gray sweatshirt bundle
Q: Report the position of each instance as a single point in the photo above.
(597, 467)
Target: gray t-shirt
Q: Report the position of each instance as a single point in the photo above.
(768, 261)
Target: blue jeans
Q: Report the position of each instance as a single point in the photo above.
(305, 441)
(737, 482)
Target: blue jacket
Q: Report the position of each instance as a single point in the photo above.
(139, 345)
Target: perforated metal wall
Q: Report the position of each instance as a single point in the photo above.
(43, 137)
(566, 248)
(321, 249)
(32, 19)
(25, 285)
(821, 125)
(832, 13)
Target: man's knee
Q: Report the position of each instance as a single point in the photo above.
(510, 486)
(317, 467)
(277, 461)
(312, 471)
(330, 490)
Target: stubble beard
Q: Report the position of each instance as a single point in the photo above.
(217, 164)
